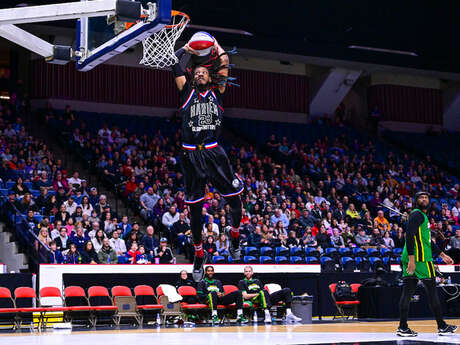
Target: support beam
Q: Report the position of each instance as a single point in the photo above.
(64, 11)
(332, 91)
(27, 40)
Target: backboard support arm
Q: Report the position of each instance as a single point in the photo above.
(64, 11)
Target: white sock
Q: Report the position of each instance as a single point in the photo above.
(239, 312)
(267, 313)
(288, 311)
(214, 313)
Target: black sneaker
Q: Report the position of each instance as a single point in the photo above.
(198, 270)
(406, 332)
(448, 330)
(235, 250)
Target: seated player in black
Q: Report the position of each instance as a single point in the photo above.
(253, 290)
(202, 158)
(211, 292)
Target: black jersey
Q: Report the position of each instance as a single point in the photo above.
(206, 286)
(250, 285)
(201, 115)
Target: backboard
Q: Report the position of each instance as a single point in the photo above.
(105, 28)
(101, 38)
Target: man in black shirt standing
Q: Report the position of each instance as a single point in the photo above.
(211, 292)
(253, 290)
(203, 159)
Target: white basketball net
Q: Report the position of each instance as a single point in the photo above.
(159, 48)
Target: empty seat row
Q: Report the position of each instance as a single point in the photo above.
(309, 251)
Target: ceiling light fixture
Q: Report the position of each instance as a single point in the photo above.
(214, 28)
(382, 50)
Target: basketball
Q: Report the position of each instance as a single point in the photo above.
(202, 42)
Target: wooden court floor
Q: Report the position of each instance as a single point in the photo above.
(421, 326)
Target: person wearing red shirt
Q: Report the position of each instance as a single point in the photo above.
(132, 254)
(131, 186)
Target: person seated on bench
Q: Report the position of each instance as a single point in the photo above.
(210, 291)
(253, 290)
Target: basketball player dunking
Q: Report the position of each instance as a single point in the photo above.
(203, 159)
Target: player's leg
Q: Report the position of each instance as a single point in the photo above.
(235, 214)
(265, 304)
(212, 302)
(409, 287)
(435, 305)
(285, 295)
(194, 195)
(237, 298)
(230, 187)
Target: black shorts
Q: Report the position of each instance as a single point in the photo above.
(208, 165)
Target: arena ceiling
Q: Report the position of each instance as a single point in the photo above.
(421, 35)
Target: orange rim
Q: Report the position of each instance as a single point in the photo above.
(174, 13)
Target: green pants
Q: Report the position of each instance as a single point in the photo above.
(423, 270)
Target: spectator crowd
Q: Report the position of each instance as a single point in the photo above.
(334, 191)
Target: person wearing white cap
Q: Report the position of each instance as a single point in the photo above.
(164, 253)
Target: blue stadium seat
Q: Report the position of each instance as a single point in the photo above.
(372, 252)
(296, 251)
(327, 264)
(348, 264)
(325, 259)
(439, 261)
(4, 191)
(29, 185)
(296, 260)
(281, 260)
(9, 184)
(397, 251)
(385, 252)
(266, 251)
(311, 260)
(250, 260)
(218, 259)
(375, 261)
(35, 193)
(332, 252)
(38, 218)
(359, 252)
(266, 259)
(309, 251)
(363, 264)
(251, 251)
(122, 259)
(345, 252)
(281, 251)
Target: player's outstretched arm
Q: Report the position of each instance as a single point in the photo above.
(179, 73)
(224, 61)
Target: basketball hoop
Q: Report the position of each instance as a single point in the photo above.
(158, 50)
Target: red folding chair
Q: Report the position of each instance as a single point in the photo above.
(185, 291)
(77, 303)
(102, 305)
(51, 292)
(25, 298)
(125, 301)
(170, 309)
(8, 310)
(146, 301)
(342, 306)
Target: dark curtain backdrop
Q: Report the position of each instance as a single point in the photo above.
(406, 104)
(149, 87)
